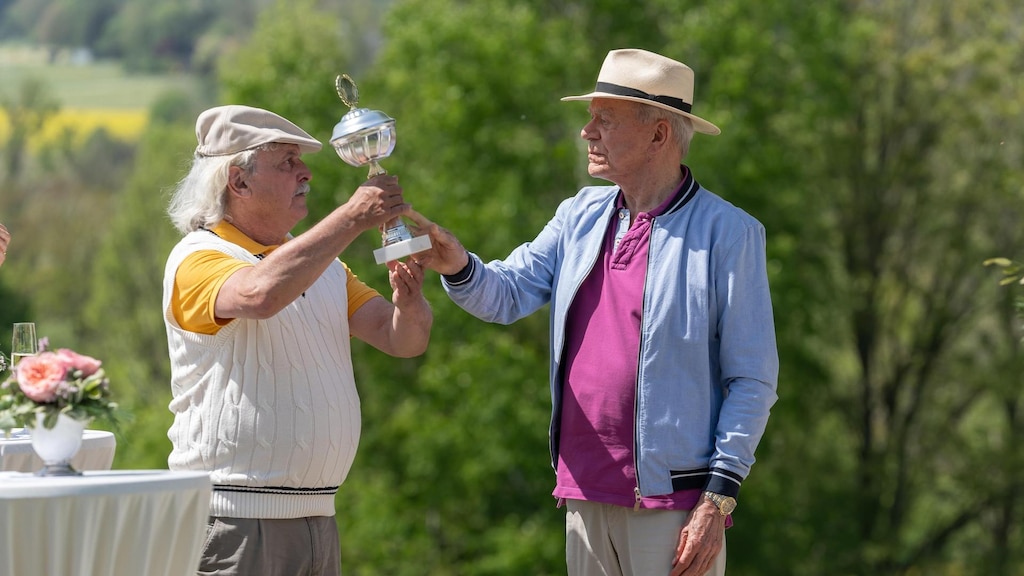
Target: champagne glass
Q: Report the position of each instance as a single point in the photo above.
(24, 342)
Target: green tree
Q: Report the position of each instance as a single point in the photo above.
(69, 24)
(26, 114)
(157, 35)
(122, 316)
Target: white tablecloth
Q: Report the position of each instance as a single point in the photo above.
(122, 522)
(97, 452)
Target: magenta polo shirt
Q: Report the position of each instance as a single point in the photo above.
(595, 455)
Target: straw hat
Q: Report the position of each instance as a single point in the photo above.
(648, 78)
(231, 129)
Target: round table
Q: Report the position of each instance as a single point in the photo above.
(96, 453)
(103, 523)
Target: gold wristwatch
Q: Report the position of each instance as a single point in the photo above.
(725, 504)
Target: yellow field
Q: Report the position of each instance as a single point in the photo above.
(80, 122)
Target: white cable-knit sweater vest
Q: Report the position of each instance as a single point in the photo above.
(268, 407)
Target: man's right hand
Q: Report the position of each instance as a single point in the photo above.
(376, 202)
(446, 254)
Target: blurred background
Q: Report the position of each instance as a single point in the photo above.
(879, 141)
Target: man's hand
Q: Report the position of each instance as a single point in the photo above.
(377, 201)
(700, 541)
(406, 280)
(446, 255)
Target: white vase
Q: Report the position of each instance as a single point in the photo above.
(58, 445)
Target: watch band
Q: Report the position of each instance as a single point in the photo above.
(725, 504)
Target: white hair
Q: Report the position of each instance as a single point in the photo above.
(682, 127)
(199, 199)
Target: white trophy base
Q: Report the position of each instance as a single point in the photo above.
(401, 249)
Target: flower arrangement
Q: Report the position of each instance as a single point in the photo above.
(54, 383)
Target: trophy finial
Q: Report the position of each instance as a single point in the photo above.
(362, 136)
(347, 90)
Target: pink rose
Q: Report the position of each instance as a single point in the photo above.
(73, 360)
(41, 376)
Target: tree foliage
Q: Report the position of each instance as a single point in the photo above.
(26, 114)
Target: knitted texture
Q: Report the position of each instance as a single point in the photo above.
(267, 406)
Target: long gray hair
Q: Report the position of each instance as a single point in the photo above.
(199, 199)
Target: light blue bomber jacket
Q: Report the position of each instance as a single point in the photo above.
(708, 365)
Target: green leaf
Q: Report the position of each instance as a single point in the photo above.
(1003, 262)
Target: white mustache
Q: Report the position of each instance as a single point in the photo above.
(303, 189)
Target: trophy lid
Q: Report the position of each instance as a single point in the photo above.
(360, 120)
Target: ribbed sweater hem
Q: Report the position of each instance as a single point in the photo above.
(272, 506)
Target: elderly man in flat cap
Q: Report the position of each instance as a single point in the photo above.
(258, 325)
(663, 357)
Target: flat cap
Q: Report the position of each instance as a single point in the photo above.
(231, 129)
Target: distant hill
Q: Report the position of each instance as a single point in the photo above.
(78, 81)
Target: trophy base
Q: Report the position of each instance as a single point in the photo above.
(401, 249)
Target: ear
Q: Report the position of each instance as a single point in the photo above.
(237, 184)
(661, 135)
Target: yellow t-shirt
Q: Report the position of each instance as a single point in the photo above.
(201, 274)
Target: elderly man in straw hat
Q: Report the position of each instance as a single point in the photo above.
(663, 357)
(258, 326)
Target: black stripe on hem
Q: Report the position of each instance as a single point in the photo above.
(327, 490)
(719, 481)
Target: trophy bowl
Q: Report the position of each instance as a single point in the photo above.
(363, 137)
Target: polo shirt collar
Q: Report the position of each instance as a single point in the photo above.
(229, 232)
(687, 190)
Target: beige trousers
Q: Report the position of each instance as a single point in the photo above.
(607, 540)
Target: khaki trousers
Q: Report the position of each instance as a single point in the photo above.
(607, 540)
(257, 547)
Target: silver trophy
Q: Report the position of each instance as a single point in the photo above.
(363, 137)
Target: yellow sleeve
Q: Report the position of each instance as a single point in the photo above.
(199, 279)
(358, 292)
(196, 285)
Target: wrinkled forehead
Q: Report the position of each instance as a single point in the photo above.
(278, 151)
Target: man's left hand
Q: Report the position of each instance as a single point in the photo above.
(406, 280)
(700, 541)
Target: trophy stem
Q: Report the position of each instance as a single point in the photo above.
(376, 169)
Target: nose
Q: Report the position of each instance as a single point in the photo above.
(305, 174)
(588, 132)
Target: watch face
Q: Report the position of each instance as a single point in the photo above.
(727, 505)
